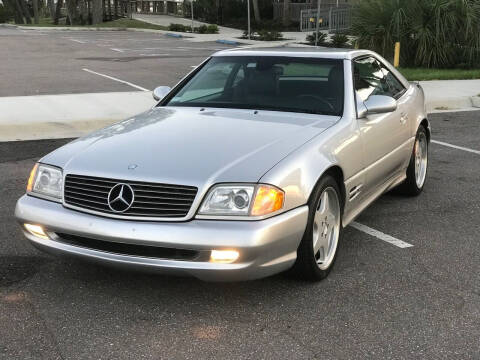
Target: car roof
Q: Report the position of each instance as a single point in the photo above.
(310, 52)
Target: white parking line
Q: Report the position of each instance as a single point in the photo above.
(114, 78)
(154, 54)
(142, 49)
(456, 147)
(380, 235)
(78, 41)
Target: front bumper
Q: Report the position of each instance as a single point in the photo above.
(266, 247)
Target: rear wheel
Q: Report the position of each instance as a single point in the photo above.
(417, 168)
(317, 251)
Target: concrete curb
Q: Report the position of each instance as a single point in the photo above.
(449, 104)
(174, 35)
(77, 28)
(228, 42)
(475, 101)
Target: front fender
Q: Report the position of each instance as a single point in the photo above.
(421, 116)
(298, 176)
(299, 172)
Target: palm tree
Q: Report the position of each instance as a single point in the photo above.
(433, 33)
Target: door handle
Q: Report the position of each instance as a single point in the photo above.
(403, 118)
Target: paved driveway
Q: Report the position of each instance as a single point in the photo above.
(380, 301)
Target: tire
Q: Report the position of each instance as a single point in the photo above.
(324, 231)
(417, 168)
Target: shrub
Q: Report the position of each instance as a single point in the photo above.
(339, 41)
(265, 35)
(206, 29)
(212, 29)
(177, 27)
(432, 33)
(202, 29)
(322, 39)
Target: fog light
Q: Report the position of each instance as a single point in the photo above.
(224, 256)
(36, 230)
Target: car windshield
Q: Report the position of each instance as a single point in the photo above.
(294, 84)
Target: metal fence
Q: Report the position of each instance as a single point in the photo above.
(333, 20)
(294, 10)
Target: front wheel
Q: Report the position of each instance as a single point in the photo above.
(317, 251)
(417, 168)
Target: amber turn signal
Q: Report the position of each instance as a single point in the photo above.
(31, 178)
(268, 199)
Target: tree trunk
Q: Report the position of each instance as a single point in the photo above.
(115, 9)
(97, 12)
(17, 11)
(58, 11)
(25, 11)
(82, 12)
(256, 11)
(218, 8)
(72, 12)
(109, 9)
(286, 12)
(51, 8)
(35, 11)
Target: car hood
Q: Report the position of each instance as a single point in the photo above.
(190, 146)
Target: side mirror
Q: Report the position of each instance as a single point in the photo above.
(378, 104)
(160, 92)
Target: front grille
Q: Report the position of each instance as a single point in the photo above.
(151, 199)
(128, 249)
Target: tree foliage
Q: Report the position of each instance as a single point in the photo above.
(5, 13)
(432, 33)
(229, 12)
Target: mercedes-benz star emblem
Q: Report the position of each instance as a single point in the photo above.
(120, 198)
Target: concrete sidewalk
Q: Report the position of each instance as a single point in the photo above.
(230, 35)
(61, 116)
(451, 94)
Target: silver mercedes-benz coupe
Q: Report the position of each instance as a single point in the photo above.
(253, 164)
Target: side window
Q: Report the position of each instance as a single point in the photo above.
(371, 78)
(395, 87)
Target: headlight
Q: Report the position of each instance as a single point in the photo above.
(242, 200)
(46, 181)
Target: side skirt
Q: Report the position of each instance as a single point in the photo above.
(386, 186)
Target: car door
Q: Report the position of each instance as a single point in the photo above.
(384, 136)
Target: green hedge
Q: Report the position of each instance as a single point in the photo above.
(202, 29)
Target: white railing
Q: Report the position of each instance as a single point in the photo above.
(333, 20)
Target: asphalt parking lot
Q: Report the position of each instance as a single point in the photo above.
(379, 302)
(53, 62)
